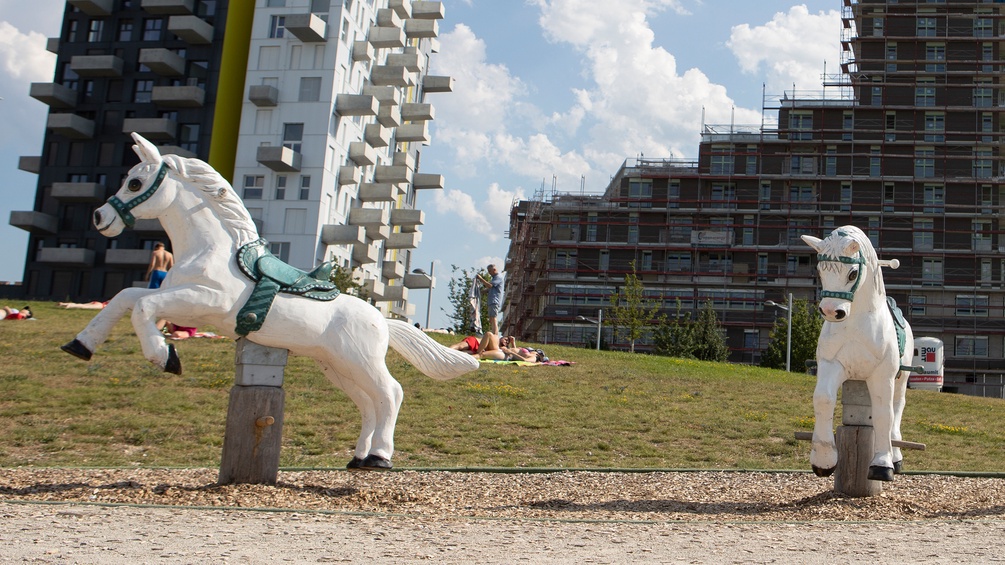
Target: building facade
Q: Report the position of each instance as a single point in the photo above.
(315, 109)
(904, 143)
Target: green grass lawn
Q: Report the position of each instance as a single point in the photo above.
(608, 410)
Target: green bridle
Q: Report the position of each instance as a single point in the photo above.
(123, 208)
(857, 260)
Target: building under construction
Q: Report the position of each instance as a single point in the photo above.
(904, 143)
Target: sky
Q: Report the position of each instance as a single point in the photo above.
(548, 95)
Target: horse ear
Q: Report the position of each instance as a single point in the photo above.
(145, 150)
(813, 242)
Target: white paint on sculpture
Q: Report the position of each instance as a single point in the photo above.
(207, 223)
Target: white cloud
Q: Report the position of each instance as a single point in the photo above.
(23, 60)
(790, 49)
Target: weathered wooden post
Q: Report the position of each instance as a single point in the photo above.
(254, 430)
(855, 442)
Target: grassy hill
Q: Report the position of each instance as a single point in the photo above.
(608, 410)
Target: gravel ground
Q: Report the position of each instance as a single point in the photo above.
(88, 516)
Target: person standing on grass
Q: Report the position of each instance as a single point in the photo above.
(495, 295)
(160, 261)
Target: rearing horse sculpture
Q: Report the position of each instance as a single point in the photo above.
(207, 224)
(864, 337)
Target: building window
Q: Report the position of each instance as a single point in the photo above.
(723, 196)
(94, 31)
(281, 187)
(935, 127)
(935, 57)
(591, 227)
(974, 306)
(891, 57)
(188, 137)
(647, 261)
(71, 31)
(982, 163)
(988, 56)
(605, 260)
(125, 32)
(924, 93)
(875, 162)
(983, 96)
(971, 346)
(293, 136)
(721, 163)
(280, 249)
(845, 197)
(926, 27)
(917, 303)
(253, 186)
(678, 262)
(924, 238)
(984, 27)
(310, 89)
(931, 271)
(633, 233)
(566, 259)
(848, 124)
(801, 197)
(152, 28)
(924, 162)
(934, 199)
(673, 194)
(142, 90)
(277, 27)
(801, 125)
(764, 196)
(982, 235)
(295, 221)
(803, 164)
(305, 187)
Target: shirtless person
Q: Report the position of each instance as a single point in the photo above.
(160, 261)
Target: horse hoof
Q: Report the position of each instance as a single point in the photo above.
(77, 349)
(898, 467)
(355, 465)
(375, 463)
(821, 472)
(173, 364)
(877, 473)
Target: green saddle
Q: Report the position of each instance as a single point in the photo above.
(272, 276)
(899, 324)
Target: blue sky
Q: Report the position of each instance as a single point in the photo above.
(545, 92)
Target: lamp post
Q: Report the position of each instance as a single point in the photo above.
(429, 299)
(788, 337)
(599, 321)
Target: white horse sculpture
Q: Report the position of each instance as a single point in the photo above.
(207, 223)
(863, 338)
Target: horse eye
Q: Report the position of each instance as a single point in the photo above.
(134, 184)
(852, 275)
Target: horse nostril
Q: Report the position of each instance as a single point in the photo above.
(821, 310)
(839, 314)
(97, 217)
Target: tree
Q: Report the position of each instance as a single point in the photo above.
(459, 296)
(708, 337)
(675, 338)
(346, 283)
(631, 312)
(806, 325)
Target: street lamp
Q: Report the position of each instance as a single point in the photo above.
(599, 321)
(429, 299)
(788, 337)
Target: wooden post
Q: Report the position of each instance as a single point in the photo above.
(254, 431)
(855, 442)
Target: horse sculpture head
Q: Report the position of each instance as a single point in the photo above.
(142, 185)
(846, 262)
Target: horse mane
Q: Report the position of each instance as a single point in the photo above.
(836, 242)
(219, 193)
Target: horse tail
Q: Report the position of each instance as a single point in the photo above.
(434, 360)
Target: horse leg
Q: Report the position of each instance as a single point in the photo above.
(899, 400)
(881, 390)
(386, 395)
(824, 455)
(365, 406)
(98, 329)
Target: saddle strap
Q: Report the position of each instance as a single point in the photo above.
(252, 315)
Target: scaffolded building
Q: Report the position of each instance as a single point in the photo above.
(905, 143)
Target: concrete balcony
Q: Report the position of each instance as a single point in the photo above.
(365, 255)
(432, 83)
(428, 10)
(175, 150)
(378, 192)
(377, 135)
(401, 7)
(356, 105)
(373, 287)
(386, 95)
(78, 191)
(387, 17)
(36, 223)
(386, 37)
(97, 65)
(127, 257)
(168, 7)
(263, 95)
(375, 220)
(162, 61)
(395, 293)
(392, 270)
(404, 240)
(362, 154)
(308, 28)
(419, 280)
(148, 225)
(389, 116)
(413, 132)
(412, 112)
(393, 174)
(390, 75)
(52, 45)
(348, 174)
(362, 51)
(191, 29)
(407, 219)
(29, 164)
(53, 94)
(403, 159)
(71, 126)
(333, 234)
(68, 256)
(155, 129)
(427, 181)
(178, 96)
(411, 61)
(279, 158)
(416, 29)
(93, 7)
